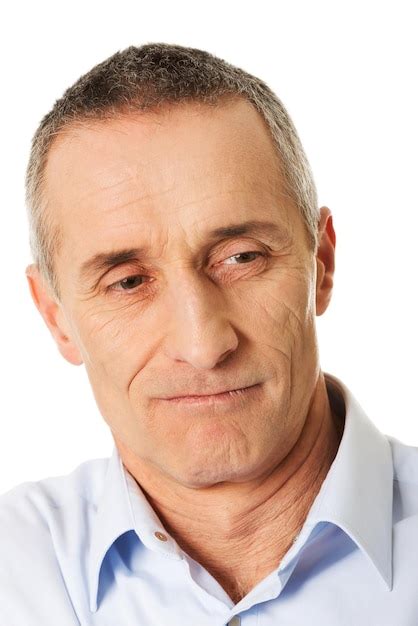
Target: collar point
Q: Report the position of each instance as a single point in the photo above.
(93, 605)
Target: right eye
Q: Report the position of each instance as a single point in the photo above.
(127, 284)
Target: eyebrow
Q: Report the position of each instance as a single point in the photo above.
(106, 260)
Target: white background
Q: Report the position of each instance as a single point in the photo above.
(347, 73)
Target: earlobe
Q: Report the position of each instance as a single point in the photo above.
(53, 315)
(325, 260)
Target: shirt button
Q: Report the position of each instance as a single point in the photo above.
(235, 621)
(160, 536)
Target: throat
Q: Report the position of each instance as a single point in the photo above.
(253, 547)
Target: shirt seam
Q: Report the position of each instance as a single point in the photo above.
(408, 482)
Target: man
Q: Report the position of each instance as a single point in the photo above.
(179, 254)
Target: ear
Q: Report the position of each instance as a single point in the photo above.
(325, 261)
(53, 316)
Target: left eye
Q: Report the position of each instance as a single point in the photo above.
(244, 255)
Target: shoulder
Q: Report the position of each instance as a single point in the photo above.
(405, 494)
(39, 500)
(37, 520)
(36, 516)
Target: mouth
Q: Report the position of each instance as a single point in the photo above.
(224, 397)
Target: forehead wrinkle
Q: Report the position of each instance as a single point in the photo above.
(169, 210)
(269, 183)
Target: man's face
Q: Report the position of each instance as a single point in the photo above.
(188, 311)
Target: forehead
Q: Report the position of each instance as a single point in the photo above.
(184, 166)
(232, 134)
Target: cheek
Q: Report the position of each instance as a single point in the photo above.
(113, 342)
(281, 310)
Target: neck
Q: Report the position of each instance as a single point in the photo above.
(240, 531)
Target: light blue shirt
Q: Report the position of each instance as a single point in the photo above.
(82, 549)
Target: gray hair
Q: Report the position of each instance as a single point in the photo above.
(145, 78)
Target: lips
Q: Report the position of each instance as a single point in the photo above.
(205, 395)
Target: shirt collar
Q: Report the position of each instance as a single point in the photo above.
(357, 492)
(356, 495)
(121, 507)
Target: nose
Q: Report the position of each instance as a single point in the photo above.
(198, 330)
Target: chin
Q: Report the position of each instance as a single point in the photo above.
(199, 478)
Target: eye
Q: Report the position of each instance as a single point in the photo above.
(128, 283)
(245, 256)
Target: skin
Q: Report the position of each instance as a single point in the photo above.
(231, 482)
